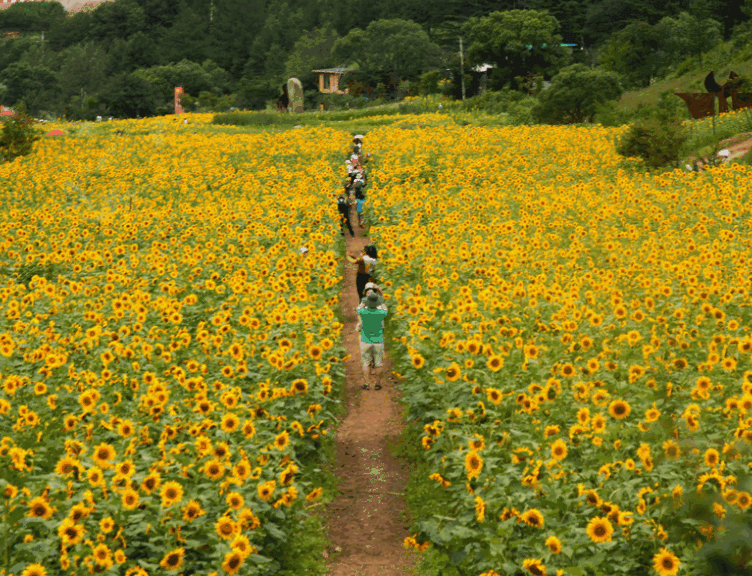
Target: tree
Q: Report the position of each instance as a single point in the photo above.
(83, 69)
(633, 53)
(687, 35)
(128, 95)
(187, 38)
(517, 42)
(120, 19)
(190, 75)
(33, 86)
(312, 51)
(389, 49)
(232, 33)
(606, 17)
(17, 136)
(32, 16)
(574, 94)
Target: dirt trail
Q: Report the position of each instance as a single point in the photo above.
(364, 522)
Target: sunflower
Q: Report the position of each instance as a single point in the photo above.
(666, 563)
(226, 527)
(567, 370)
(473, 464)
(151, 482)
(743, 500)
(711, 457)
(171, 493)
(299, 386)
(103, 454)
(559, 449)
(533, 518)
(70, 532)
(494, 396)
(535, 567)
(34, 570)
(242, 545)
(66, 466)
(40, 508)
(619, 409)
(214, 469)
(173, 560)
(192, 510)
(103, 556)
(232, 562)
(266, 490)
(554, 544)
(480, 509)
(106, 525)
(453, 372)
(282, 440)
(671, 449)
(129, 499)
(495, 363)
(418, 361)
(600, 530)
(314, 494)
(235, 500)
(229, 423)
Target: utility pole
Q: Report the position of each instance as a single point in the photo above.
(462, 69)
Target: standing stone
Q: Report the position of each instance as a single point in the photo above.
(295, 93)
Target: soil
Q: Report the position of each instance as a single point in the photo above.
(737, 145)
(365, 522)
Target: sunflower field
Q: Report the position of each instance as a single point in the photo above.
(169, 359)
(574, 345)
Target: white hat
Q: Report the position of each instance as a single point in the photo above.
(302, 250)
(371, 285)
(358, 137)
(724, 152)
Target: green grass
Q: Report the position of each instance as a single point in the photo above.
(690, 77)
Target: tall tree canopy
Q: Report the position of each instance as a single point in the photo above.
(389, 49)
(517, 43)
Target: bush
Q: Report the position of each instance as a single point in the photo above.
(17, 137)
(657, 142)
(575, 93)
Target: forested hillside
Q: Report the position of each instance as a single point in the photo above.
(124, 57)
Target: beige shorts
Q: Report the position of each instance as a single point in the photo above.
(371, 354)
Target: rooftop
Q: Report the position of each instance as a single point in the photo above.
(335, 70)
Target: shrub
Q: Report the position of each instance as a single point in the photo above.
(574, 94)
(17, 137)
(657, 142)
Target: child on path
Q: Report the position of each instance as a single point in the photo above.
(372, 340)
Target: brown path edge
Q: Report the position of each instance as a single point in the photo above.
(364, 522)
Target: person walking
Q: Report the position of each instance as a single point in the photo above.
(366, 262)
(370, 288)
(372, 340)
(343, 206)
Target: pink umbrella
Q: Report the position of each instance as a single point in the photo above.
(6, 113)
(55, 133)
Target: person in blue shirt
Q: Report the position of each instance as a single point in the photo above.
(372, 340)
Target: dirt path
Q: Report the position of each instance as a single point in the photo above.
(365, 523)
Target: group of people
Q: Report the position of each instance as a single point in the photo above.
(371, 309)
(354, 188)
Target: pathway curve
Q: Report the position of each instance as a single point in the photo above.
(365, 521)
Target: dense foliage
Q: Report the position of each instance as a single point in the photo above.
(83, 65)
(169, 362)
(575, 352)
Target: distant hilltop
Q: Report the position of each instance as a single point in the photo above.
(69, 5)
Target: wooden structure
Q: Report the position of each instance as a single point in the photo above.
(701, 105)
(329, 80)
